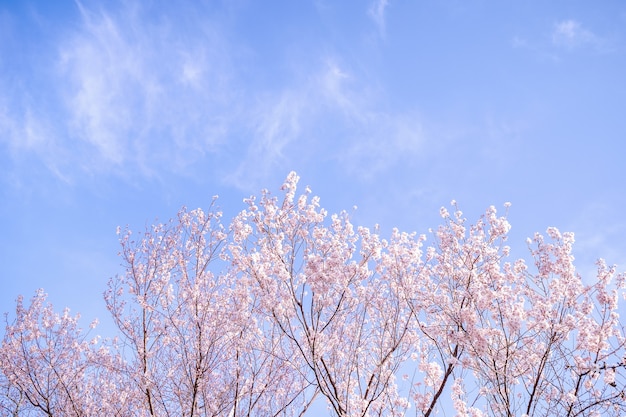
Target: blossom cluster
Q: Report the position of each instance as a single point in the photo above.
(287, 305)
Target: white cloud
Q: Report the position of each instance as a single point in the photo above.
(383, 141)
(377, 12)
(23, 132)
(377, 138)
(597, 236)
(139, 98)
(104, 71)
(144, 88)
(519, 42)
(119, 94)
(566, 35)
(330, 116)
(571, 34)
(272, 126)
(502, 138)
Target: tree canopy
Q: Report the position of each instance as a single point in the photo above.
(286, 305)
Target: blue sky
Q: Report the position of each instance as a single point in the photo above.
(121, 112)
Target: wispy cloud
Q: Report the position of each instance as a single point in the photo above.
(330, 116)
(596, 236)
(377, 12)
(125, 95)
(23, 131)
(139, 92)
(278, 129)
(564, 36)
(501, 139)
(383, 141)
(378, 137)
(571, 34)
(138, 97)
(272, 125)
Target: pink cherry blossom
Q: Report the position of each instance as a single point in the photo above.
(287, 304)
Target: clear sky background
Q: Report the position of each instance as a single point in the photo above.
(121, 112)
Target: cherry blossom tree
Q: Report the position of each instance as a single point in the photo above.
(287, 305)
(530, 340)
(195, 345)
(51, 368)
(336, 301)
